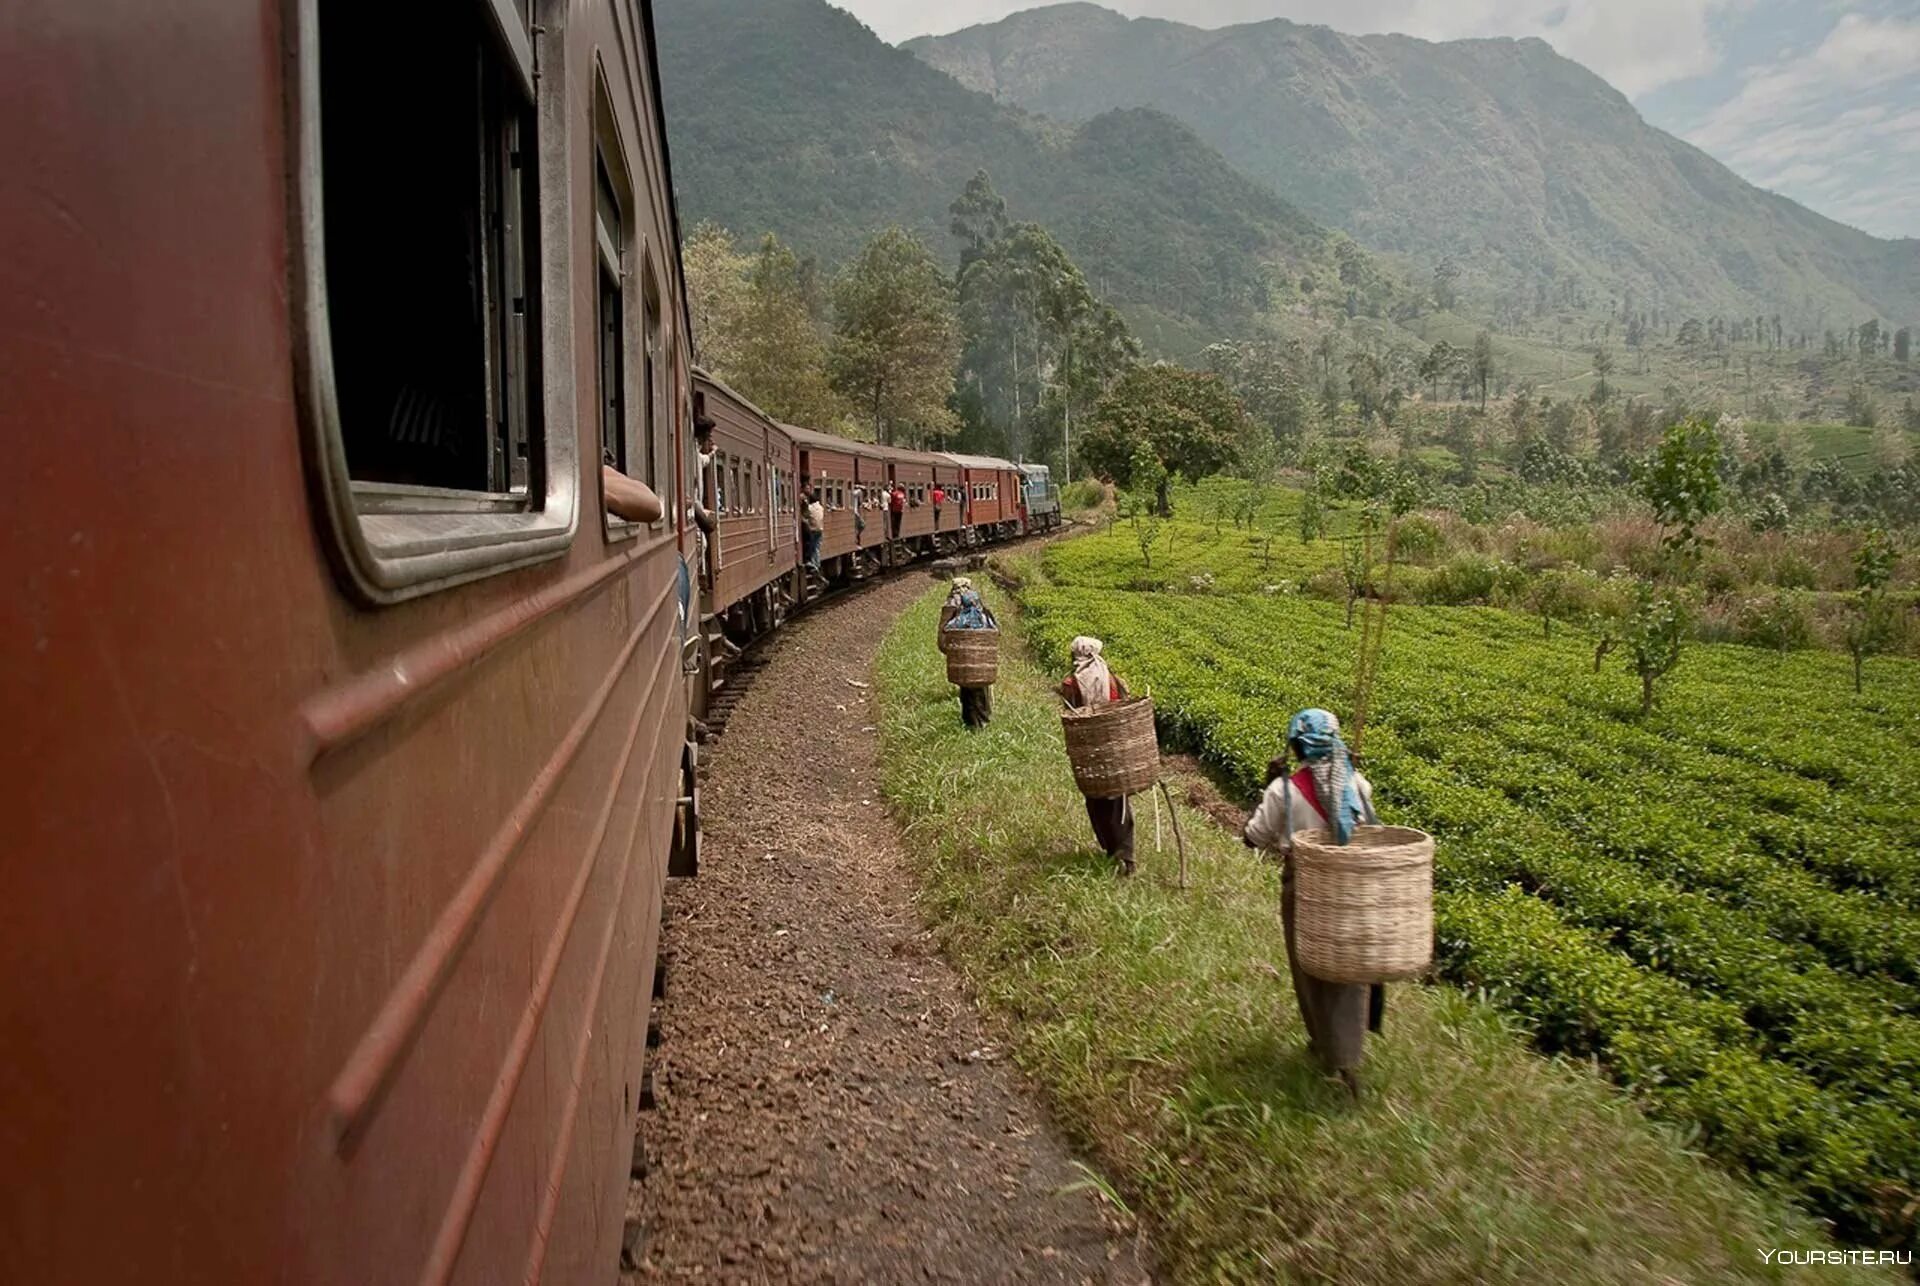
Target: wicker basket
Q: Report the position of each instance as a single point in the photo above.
(973, 657)
(946, 614)
(1363, 911)
(1113, 748)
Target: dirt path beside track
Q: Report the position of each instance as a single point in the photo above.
(831, 1105)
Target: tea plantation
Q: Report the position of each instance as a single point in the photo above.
(1720, 901)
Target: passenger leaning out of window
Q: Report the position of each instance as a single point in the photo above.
(897, 506)
(1092, 683)
(939, 498)
(630, 498)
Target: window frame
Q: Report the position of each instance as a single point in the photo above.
(623, 252)
(391, 542)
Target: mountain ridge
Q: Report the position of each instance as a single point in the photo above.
(1526, 165)
(791, 116)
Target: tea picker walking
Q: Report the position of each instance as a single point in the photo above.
(1326, 793)
(967, 613)
(1093, 684)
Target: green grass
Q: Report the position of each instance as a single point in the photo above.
(1159, 1025)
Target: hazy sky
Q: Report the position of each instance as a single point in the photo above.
(1815, 99)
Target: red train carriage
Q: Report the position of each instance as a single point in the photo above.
(753, 552)
(913, 471)
(841, 471)
(949, 479)
(873, 474)
(992, 494)
(344, 734)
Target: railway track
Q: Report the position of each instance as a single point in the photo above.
(741, 670)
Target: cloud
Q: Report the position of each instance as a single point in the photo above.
(1834, 125)
(1638, 45)
(1830, 119)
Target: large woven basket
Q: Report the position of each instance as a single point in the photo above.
(1113, 748)
(1363, 911)
(973, 657)
(946, 614)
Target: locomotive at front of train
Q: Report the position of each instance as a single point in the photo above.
(348, 733)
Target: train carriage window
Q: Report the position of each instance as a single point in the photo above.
(609, 234)
(421, 280)
(654, 423)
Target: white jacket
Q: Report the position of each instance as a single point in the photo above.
(1284, 810)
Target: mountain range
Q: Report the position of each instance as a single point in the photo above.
(791, 117)
(1538, 178)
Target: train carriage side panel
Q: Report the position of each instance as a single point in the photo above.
(947, 476)
(990, 505)
(871, 478)
(350, 729)
(745, 556)
(913, 472)
(828, 465)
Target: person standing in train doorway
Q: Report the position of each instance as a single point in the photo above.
(813, 525)
(706, 485)
(939, 498)
(897, 507)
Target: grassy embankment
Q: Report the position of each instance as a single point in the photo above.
(1160, 1026)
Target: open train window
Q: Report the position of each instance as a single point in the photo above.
(420, 160)
(609, 234)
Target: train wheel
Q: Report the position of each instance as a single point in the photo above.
(684, 860)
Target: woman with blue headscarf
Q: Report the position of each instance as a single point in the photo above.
(970, 612)
(1326, 793)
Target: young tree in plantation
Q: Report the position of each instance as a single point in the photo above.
(1439, 364)
(1874, 623)
(896, 338)
(1860, 408)
(1189, 420)
(1144, 498)
(1602, 367)
(1681, 482)
(1483, 364)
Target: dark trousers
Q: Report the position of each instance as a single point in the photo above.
(810, 542)
(897, 516)
(1113, 826)
(976, 706)
(1338, 1015)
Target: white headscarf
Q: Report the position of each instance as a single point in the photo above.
(1090, 673)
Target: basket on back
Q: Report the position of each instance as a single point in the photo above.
(1113, 748)
(947, 613)
(973, 657)
(1363, 911)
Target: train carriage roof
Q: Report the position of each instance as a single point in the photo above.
(904, 455)
(979, 462)
(701, 376)
(815, 440)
